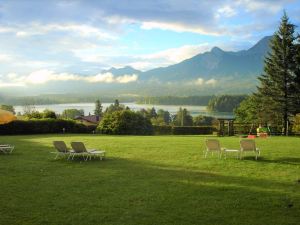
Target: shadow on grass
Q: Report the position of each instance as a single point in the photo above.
(136, 191)
(281, 160)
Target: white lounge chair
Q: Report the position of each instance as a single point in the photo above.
(79, 149)
(6, 148)
(62, 149)
(213, 145)
(249, 146)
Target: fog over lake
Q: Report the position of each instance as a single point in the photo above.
(89, 108)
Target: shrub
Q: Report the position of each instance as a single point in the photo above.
(185, 130)
(125, 122)
(44, 126)
(49, 114)
(193, 130)
(162, 130)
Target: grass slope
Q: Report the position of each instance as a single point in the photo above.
(149, 180)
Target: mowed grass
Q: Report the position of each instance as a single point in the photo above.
(149, 180)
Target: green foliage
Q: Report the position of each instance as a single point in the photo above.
(9, 108)
(247, 112)
(174, 100)
(114, 107)
(225, 103)
(98, 108)
(47, 113)
(186, 130)
(203, 120)
(44, 126)
(72, 113)
(34, 115)
(125, 122)
(183, 118)
(278, 82)
(296, 124)
(162, 130)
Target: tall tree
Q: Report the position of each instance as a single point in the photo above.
(98, 108)
(297, 76)
(275, 90)
(183, 118)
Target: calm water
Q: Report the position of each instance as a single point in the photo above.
(89, 108)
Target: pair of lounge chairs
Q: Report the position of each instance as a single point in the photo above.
(213, 145)
(6, 149)
(78, 149)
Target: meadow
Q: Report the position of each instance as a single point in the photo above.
(149, 180)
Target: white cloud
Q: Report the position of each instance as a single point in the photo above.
(211, 81)
(126, 78)
(175, 55)
(199, 81)
(226, 11)
(257, 5)
(180, 27)
(5, 58)
(82, 30)
(45, 76)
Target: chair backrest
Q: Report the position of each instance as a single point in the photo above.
(60, 146)
(78, 147)
(213, 145)
(247, 145)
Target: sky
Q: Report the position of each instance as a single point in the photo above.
(60, 40)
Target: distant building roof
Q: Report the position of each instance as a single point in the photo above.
(91, 118)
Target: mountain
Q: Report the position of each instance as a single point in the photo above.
(122, 71)
(215, 64)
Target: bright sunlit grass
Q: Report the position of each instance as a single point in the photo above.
(149, 180)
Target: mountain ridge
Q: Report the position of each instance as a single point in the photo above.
(215, 63)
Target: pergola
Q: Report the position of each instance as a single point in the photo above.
(226, 121)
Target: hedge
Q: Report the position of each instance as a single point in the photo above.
(44, 126)
(47, 126)
(184, 130)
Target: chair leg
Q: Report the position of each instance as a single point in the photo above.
(205, 154)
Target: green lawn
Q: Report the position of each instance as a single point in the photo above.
(149, 180)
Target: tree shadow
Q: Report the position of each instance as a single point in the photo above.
(281, 160)
(139, 191)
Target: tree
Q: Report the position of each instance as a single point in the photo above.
(162, 118)
(165, 115)
(152, 113)
(277, 81)
(47, 113)
(225, 103)
(115, 107)
(297, 77)
(9, 108)
(125, 122)
(28, 109)
(34, 115)
(98, 108)
(72, 113)
(183, 118)
(203, 120)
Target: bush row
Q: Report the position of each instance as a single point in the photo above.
(44, 126)
(185, 130)
(47, 126)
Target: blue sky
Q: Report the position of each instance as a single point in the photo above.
(43, 41)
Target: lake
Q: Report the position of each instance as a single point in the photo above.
(89, 108)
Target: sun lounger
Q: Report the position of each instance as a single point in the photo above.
(80, 149)
(213, 145)
(249, 146)
(62, 149)
(6, 148)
